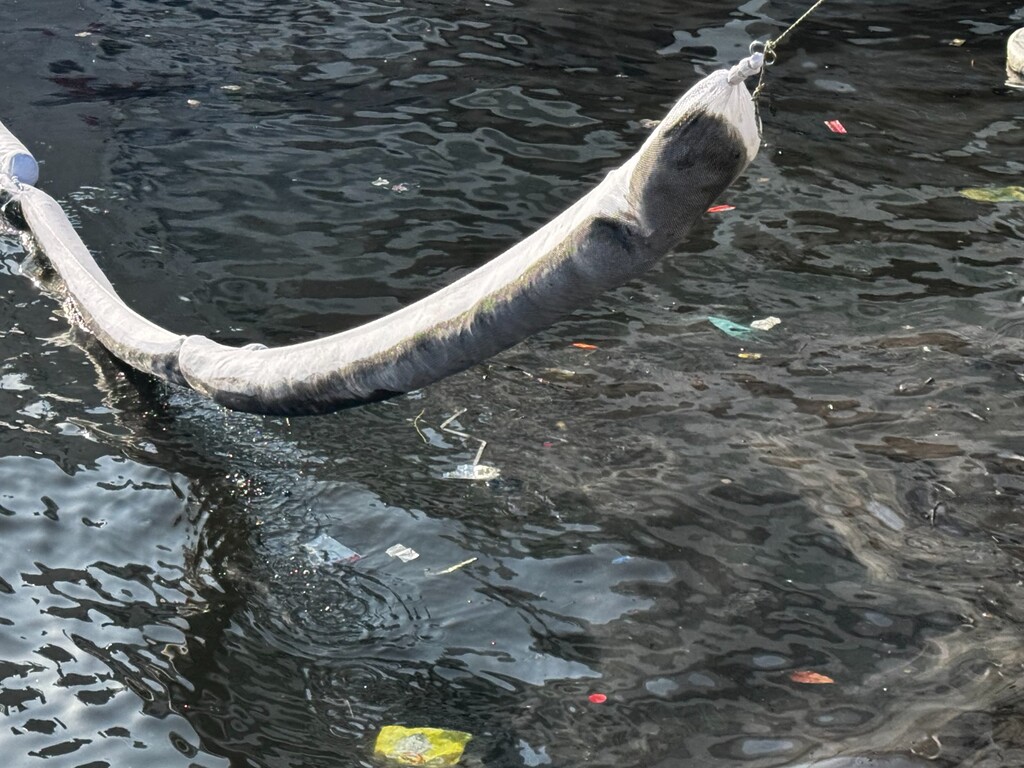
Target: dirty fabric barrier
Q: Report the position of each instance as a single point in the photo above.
(637, 214)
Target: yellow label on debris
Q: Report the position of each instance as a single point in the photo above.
(421, 746)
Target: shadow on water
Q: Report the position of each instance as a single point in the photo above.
(675, 526)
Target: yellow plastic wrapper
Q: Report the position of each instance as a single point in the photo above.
(433, 747)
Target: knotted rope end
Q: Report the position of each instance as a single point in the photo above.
(747, 67)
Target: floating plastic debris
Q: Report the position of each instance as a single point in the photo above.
(584, 345)
(533, 757)
(721, 208)
(807, 677)
(749, 355)
(956, 42)
(915, 387)
(557, 373)
(435, 747)
(380, 182)
(765, 324)
(451, 568)
(994, 194)
(885, 514)
(193, 102)
(400, 188)
(739, 331)
(402, 552)
(473, 472)
(476, 470)
(728, 326)
(597, 698)
(835, 126)
(325, 550)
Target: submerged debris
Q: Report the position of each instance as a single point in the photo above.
(473, 472)
(325, 550)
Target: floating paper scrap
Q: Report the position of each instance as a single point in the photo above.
(765, 324)
(473, 472)
(402, 552)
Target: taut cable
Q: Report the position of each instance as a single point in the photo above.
(768, 49)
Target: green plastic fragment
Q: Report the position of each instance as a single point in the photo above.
(434, 747)
(994, 194)
(728, 326)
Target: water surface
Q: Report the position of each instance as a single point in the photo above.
(683, 519)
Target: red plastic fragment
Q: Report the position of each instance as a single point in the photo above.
(721, 208)
(597, 698)
(835, 126)
(583, 345)
(807, 677)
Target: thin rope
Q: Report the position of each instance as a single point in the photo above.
(769, 48)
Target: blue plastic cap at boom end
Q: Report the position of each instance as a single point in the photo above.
(21, 166)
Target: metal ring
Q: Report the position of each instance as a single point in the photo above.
(767, 49)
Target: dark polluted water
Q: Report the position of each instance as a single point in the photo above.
(685, 522)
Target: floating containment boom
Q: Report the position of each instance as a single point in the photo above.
(1015, 59)
(637, 214)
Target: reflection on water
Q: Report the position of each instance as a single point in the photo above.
(682, 519)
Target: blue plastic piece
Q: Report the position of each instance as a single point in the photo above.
(15, 160)
(22, 167)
